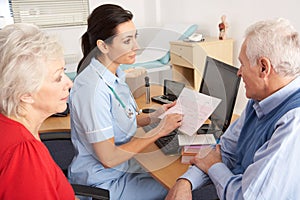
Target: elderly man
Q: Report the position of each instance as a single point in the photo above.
(257, 155)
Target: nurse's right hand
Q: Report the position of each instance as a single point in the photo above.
(169, 123)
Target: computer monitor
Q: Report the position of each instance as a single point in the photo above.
(220, 80)
(173, 88)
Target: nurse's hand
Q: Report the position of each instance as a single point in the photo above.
(161, 110)
(169, 123)
(166, 107)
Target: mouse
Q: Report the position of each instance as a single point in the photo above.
(203, 129)
(148, 110)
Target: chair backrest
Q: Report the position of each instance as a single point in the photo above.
(61, 148)
(62, 151)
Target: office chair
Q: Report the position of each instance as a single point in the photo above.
(62, 151)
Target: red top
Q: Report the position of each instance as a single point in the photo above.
(27, 170)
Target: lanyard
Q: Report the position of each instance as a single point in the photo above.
(128, 111)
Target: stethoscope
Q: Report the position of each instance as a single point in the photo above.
(127, 110)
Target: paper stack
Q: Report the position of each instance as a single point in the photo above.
(193, 144)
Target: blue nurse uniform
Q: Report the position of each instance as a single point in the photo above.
(98, 115)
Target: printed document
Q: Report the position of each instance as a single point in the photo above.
(195, 107)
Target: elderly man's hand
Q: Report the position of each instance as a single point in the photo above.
(207, 158)
(181, 190)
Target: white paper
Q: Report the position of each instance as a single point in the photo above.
(195, 107)
(196, 139)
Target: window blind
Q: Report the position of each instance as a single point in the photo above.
(50, 13)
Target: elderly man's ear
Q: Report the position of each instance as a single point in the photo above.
(265, 66)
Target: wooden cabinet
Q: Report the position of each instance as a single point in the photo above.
(188, 58)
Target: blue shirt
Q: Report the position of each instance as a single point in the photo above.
(269, 161)
(98, 115)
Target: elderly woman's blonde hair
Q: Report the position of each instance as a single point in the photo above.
(24, 52)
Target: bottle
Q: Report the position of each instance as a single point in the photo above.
(147, 86)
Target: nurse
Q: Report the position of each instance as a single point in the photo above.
(103, 112)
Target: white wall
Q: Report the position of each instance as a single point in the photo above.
(141, 9)
(149, 13)
(5, 17)
(70, 37)
(240, 14)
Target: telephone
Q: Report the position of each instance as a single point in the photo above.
(195, 37)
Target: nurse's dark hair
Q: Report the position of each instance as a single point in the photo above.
(102, 24)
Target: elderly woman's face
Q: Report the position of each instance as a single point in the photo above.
(54, 93)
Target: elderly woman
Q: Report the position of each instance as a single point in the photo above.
(33, 87)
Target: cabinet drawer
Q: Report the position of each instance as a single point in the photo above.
(182, 55)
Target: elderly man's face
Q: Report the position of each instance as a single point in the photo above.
(254, 84)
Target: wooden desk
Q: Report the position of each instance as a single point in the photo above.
(56, 124)
(155, 90)
(165, 169)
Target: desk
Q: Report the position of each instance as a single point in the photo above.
(56, 124)
(165, 169)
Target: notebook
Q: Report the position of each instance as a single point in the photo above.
(172, 90)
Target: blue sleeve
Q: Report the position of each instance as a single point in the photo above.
(227, 184)
(100, 124)
(259, 178)
(196, 177)
(277, 163)
(228, 144)
(91, 115)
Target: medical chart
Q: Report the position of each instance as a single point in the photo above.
(196, 109)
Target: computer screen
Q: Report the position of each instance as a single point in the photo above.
(173, 87)
(220, 80)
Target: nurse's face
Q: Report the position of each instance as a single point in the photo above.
(124, 45)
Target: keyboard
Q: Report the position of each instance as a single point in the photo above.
(169, 97)
(161, 99)
(168, 144)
